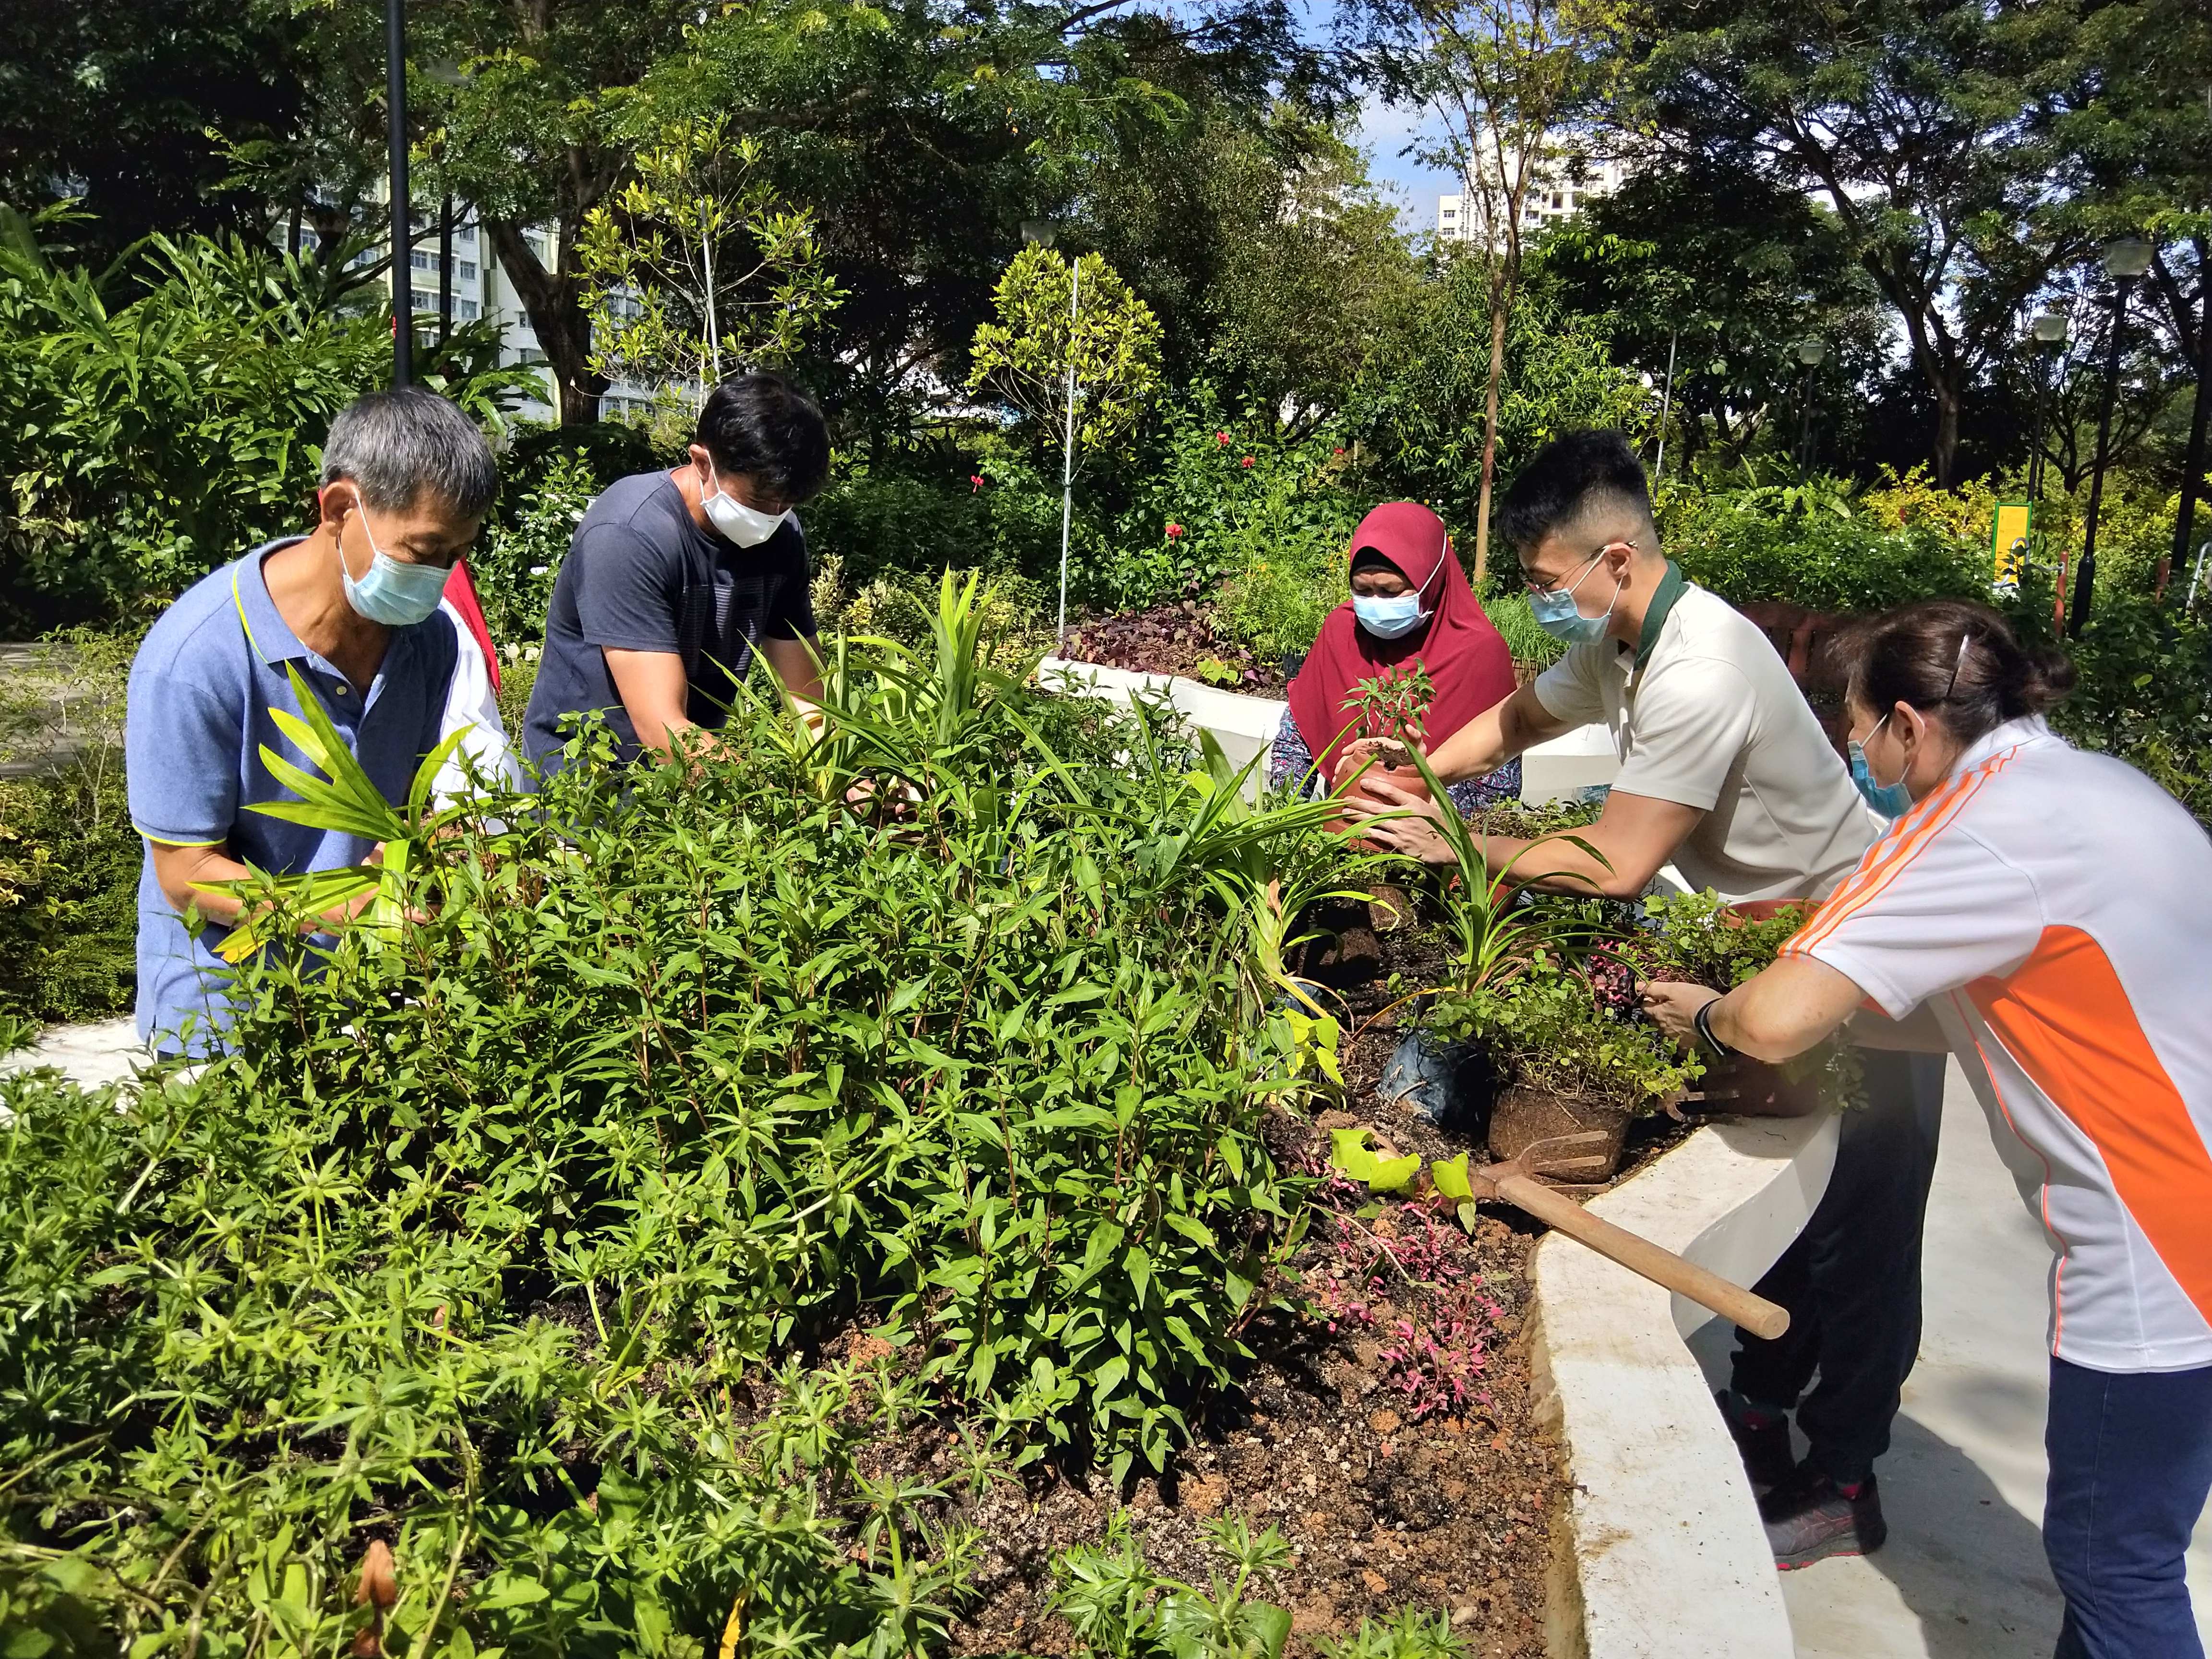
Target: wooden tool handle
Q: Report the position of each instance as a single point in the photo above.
(1640, 1255)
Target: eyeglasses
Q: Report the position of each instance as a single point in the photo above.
(1551, 586)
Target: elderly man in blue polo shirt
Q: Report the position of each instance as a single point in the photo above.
(353, 605)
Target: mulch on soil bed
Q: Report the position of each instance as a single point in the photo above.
(1393, 1445)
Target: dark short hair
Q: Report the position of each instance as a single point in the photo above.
(1570, 480)
(760, 425)
(1953, 659)
(393, 445)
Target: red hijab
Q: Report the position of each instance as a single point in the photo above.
(1467, 660)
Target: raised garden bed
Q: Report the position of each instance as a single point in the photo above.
(700, 1216)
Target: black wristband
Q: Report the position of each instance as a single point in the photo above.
(1702, 1019)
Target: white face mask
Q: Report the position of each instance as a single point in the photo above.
(747, 526)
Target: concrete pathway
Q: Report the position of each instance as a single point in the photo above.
(92, 1054)
(1963, 1575)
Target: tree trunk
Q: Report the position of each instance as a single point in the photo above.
(1501, 300)
(1945, 456)
(554, 300)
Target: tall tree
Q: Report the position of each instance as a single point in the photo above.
(1508, 81)
(130, 107)
(1912, 120)
(1722, 273)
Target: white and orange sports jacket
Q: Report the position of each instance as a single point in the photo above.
(2055, 908)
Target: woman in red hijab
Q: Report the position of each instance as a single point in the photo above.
(1410, 605)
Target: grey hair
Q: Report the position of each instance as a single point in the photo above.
(395, 444)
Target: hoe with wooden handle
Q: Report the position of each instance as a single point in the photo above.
(1515, 1182)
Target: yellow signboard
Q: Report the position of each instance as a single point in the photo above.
(2008, 541)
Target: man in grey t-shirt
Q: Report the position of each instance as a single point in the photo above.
(1725, 772)
(675, 579)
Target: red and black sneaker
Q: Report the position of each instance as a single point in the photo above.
(1763, 1438)
(1809, 1517)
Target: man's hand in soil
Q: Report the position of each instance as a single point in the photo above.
(1411, 829)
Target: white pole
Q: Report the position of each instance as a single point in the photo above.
(1067, 453)
(714, 334)
(1666, 403)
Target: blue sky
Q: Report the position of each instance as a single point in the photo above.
(1384, 132)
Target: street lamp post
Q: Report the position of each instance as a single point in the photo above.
(2192, 465)
(2125, 260)
(2050, 331)
(1666, 407)
(403, 215)
(1811, 353)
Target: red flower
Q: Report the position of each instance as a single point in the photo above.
(1221, 438)
(1336, 452)
(975, 482)
(1174, 529)
(1246, 461)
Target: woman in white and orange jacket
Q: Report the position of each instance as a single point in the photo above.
(2045, 914)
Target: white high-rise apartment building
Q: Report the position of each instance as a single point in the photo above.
(1559, 190)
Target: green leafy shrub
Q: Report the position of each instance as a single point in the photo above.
(1753, 546)
(70, 858)
(1260, 510)
(161, 417)
(1545, 1028)
(2144, 693)
(477, 1240)
(1119, 1609)
(516, 561)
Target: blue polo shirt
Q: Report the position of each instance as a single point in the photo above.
(201, 690)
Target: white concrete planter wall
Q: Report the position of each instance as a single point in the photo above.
(1245, 724)
(1660, 1553)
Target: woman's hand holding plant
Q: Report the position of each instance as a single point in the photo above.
(1672, 1006)
(1410, 827)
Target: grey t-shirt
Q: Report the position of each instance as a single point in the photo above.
(641, 575)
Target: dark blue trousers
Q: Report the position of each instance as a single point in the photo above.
(2130, 1466)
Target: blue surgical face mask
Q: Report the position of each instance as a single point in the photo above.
(1389, 618)
(395, 594)
(1557, 614)
(1892, 800)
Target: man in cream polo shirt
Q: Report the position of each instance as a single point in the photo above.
(1726, 774)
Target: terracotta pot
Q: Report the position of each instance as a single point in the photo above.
(1407, 778)
(1522, 1116)
(1740, 1086)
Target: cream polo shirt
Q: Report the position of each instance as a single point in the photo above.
(2054, 909)
(1713, 720)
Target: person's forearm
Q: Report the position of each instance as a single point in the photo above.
(1554, 865)
(178, 872)
(1779, 1013)
(1476, 747)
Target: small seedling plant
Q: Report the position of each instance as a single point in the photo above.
(1394, 708)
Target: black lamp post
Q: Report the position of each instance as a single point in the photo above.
(1811, 353)
(403, 215)
(2192, 465)
(2050, 331)
(2125, 260)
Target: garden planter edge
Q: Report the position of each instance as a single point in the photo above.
(1658, 1551)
